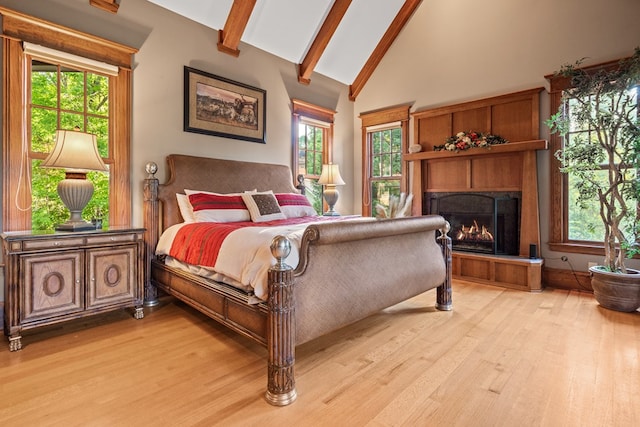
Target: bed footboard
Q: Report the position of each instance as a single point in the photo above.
(282, 303)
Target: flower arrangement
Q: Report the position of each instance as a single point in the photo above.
(465, 140)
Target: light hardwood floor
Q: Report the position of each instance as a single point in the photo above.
(501, 358)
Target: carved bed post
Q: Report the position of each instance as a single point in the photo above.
(281, 385)
(151, 234)
(443, 296)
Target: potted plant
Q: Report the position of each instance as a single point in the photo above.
(605, 102)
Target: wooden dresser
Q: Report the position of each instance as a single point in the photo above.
(51, 277)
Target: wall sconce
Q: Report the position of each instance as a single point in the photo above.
(77, 153)
(330, 178)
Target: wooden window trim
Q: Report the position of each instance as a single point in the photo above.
(17, 27)
(559, 215)
(376, 118)
(302, 110)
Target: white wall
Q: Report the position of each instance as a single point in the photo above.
(461, 50)
(168, 42)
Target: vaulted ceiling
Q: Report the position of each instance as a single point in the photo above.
(341, 39)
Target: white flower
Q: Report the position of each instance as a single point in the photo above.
(459, 134)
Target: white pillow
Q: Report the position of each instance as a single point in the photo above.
(295, 205)
(263, 206)
(186, 210)
(218, 207)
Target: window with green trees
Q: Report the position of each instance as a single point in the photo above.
(385, 138)
(385, 162)
(312, 141)
(584, 222)
(65, 98)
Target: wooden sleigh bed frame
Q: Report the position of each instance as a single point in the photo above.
(342, 276)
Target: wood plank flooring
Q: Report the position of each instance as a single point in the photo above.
(501, 358)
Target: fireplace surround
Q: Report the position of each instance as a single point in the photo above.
(480, 222)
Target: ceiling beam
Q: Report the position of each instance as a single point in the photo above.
(319, 44)
(108, 5)
(383, 46)
(229, 37)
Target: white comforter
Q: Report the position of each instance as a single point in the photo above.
(244, 258)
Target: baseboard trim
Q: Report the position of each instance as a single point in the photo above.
(566, 279)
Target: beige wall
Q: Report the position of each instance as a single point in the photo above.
(461, 50)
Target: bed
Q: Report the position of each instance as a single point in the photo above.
(347, 269)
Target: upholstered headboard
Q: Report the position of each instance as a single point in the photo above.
(217, 175)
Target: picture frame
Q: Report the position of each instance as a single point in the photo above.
(215, 105)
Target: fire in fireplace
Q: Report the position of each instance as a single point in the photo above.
(480, 222)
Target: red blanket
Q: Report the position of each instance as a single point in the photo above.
(198, 243)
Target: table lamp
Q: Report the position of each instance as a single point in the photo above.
(330, 178)
(77, 153)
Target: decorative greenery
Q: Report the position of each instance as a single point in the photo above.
(465, 140)
(598, 120)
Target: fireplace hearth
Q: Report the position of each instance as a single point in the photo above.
(480, 222)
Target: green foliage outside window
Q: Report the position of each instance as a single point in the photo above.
(62, 98)
(386, 165)
(310, 154)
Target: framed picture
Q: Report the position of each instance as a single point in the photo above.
(214, 105)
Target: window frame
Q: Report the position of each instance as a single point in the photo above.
(16, 28)
(559, 182)
(314, 115)
(377, 120)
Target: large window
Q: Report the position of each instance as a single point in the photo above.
(58, 78)
(385, 138)
(575, 223)
(312, 140)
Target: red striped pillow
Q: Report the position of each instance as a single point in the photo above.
(295, 205)
(218, 208)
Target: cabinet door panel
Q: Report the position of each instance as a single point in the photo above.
(111, 275)
(53, 284)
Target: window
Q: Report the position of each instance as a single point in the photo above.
(576, 225)
(312, 138)
(64, 98)
(385, 138)
(70, 79)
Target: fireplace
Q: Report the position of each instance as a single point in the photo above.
(480, 222)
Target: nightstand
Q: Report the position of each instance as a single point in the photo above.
(52, 277)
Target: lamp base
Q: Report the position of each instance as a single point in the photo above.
(75, 226)
(334, 213)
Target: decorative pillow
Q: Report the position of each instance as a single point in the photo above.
(263, 206)
(218, 208)
(295, 205)
(185, 208)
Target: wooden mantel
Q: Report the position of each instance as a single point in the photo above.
(538, 144)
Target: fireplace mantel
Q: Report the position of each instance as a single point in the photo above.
(537, 144)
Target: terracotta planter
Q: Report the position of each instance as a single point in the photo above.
(615, 291)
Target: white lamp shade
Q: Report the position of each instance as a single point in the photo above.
(75, 150)
(330, 175)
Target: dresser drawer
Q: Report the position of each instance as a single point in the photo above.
(111, 238)
(53, 243)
